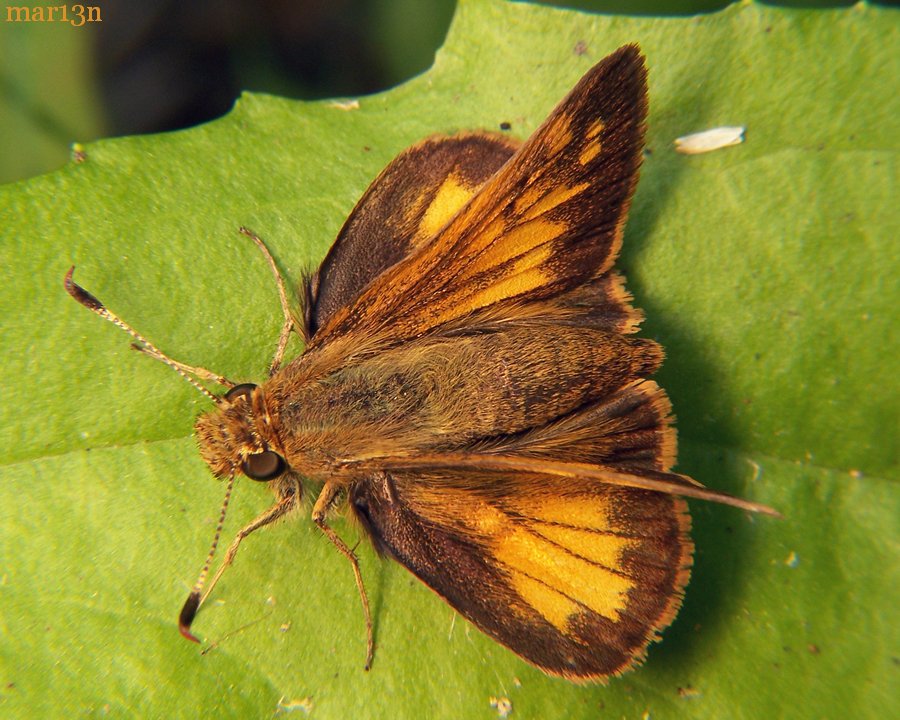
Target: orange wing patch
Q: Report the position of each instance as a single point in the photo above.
(450, 197)
(566, 557)
(593, 147)
(561, 565)
(537, 201)
(558, 133)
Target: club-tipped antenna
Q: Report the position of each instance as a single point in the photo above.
(195, 599)
(188, 372)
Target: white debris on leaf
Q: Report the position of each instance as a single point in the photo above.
(709, 140)
(503, 706)
(344, 104)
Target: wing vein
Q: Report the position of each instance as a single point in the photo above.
(579, 556)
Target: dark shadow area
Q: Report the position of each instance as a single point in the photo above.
(170, 65)
(722, 536)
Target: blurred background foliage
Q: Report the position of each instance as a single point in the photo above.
(164, 65)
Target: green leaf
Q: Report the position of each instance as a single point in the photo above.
(48, 93)
(768, 270)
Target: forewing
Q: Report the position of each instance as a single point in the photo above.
(547, 222)
(577, 577)
(403, 209)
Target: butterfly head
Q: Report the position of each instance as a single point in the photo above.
(230, 439)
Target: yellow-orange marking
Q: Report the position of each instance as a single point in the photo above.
(449, 199)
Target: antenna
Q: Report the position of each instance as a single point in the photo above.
(143, 344)
(192, 604)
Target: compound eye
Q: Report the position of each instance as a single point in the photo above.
(264, 465)
(242, 390)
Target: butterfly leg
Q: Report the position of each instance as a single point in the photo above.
(286, 502)
(290, 322)
(326, 499)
